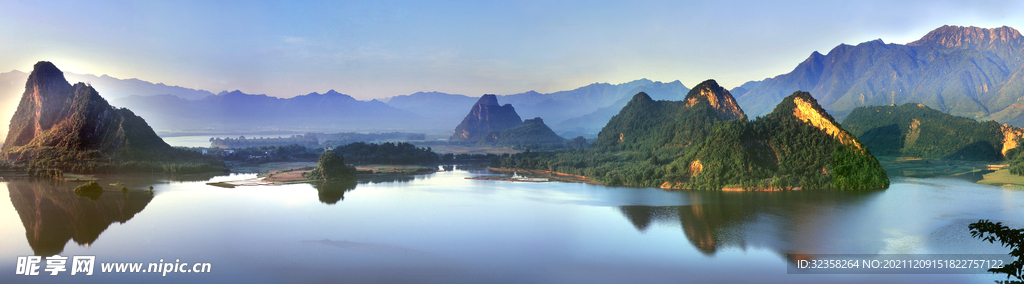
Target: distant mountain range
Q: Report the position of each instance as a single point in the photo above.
(964, 71)
(580, 111)
(236, 111)
(171, 109)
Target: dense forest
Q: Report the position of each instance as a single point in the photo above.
(387, 153)
(915, 130)
(355, 153)
(532, 132)
(331, 167)
(700, 143)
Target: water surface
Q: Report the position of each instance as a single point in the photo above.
(443, 228)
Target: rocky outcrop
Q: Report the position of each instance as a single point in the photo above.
(486, 116)
(719, 98)
(995, 39)
(1011, 137)
(808, 111)
(53, 113)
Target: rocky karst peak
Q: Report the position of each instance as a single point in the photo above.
(486, 116)
(719, 98)
(971, 37)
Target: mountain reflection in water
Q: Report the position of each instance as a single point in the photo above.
(331, 192)
(52, 214)
(779, 221)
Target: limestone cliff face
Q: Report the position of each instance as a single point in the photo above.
(486, 116)
(719, 98)
(805, 108)
(1011, 137)
(54, 113)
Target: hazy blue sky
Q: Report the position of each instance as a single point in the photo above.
(372, 49)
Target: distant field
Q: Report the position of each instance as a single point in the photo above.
(466, 149)
(269, 167)
(920, 168)
(1003, 177)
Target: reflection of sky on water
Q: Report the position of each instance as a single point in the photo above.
(447, 228)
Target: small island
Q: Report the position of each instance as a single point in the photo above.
(331, 167)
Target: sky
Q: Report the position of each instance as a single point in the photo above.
(377, 49)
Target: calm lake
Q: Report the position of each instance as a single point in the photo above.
(444, 228)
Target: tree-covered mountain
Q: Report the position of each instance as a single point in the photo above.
(484, 117)
(70, 127)
(531, 131)
(964, 71)
(915, 130)
(706, 142)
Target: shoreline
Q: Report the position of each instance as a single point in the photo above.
(286, 173)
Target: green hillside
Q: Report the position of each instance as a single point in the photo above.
(915, 130)
(530, 132)
(706, 142)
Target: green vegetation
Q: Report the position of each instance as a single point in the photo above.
(1015, 160)
(331, 167)
(1011, 238)
(387, 153)
(915, 130)
(88, 188)
(532, 132)
(691, 144)
(271, 154)
(355, 153)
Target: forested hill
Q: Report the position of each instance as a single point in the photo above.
(915, 130)
(531, 131)
(706, 142)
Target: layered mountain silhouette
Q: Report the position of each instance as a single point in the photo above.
(485, 116)
(965, 71)
(170, 109)
(237, 111)
(585, 109)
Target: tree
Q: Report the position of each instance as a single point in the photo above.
(331, 167)
(1012, 238)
